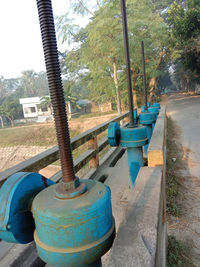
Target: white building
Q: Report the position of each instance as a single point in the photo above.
(31, 107)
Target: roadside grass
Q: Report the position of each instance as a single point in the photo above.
(44, 135)
(177, 253)
(96, 114)
(30, 136)
(172, 165)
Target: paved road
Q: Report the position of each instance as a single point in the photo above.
(185, 111)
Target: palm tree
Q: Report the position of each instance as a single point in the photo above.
(45, 101)
(1, 116)
(69, 96)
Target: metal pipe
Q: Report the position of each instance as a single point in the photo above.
(55, 87)
(127, 55)
(144, 75)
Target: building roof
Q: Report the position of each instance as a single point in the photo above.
(30, 100)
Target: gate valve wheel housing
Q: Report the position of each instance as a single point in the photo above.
(157, 105)
(113, 134)
(16, 196)
(74, 232)
(147, 118)
(135, 116)
(133, 137)
(154, 109)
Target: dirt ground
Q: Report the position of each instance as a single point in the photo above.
(10, 156)
(184, 111)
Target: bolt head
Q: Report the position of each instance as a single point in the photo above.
(67, 190)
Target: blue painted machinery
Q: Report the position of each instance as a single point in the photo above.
(74, 231)
(154, 110)
(16, 196)
(147, 119)
(74, 227)
(133, 138)
(135, 116)
(71, 222)
(148, 114)
(156, 105)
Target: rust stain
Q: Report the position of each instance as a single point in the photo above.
(44, 179)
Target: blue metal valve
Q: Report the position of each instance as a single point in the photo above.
(74, 232)
(132, 138)
(156, 105)
(70, 231)
(147, 119)
(135, 116)
(113, 134)
(16, 195)
(143, 107)
(154, 110)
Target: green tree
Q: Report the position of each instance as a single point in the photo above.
(45, 102)
(184, 25)
(1, 116)
(3, 91)
(33, 83)
(28, 83)
(69, 94)
(97, 57)
(8, 87)
(99, 51)
(11, 109)
(41, 84)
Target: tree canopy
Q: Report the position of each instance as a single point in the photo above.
(93, 66)
(184, 28)
(98, 53)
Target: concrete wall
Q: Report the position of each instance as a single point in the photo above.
(141, 238)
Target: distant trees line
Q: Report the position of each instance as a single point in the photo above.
(30, 84)
(170, 31)
(94, 68)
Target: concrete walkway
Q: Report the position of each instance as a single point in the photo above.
(119, 182)
(185, 111)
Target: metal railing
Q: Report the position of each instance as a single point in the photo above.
(51, 155)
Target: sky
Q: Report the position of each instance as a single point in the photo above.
(21, 45)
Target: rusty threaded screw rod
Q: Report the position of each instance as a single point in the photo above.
(144, 75)
(55, 87)
(127, 55)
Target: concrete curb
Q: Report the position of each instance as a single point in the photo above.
(142, 236)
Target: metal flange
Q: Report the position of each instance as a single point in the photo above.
(154, 109)
(113, 134)
(147, 118)
(74, 232)
(133, 137)
(16, 196)
(157, 105)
